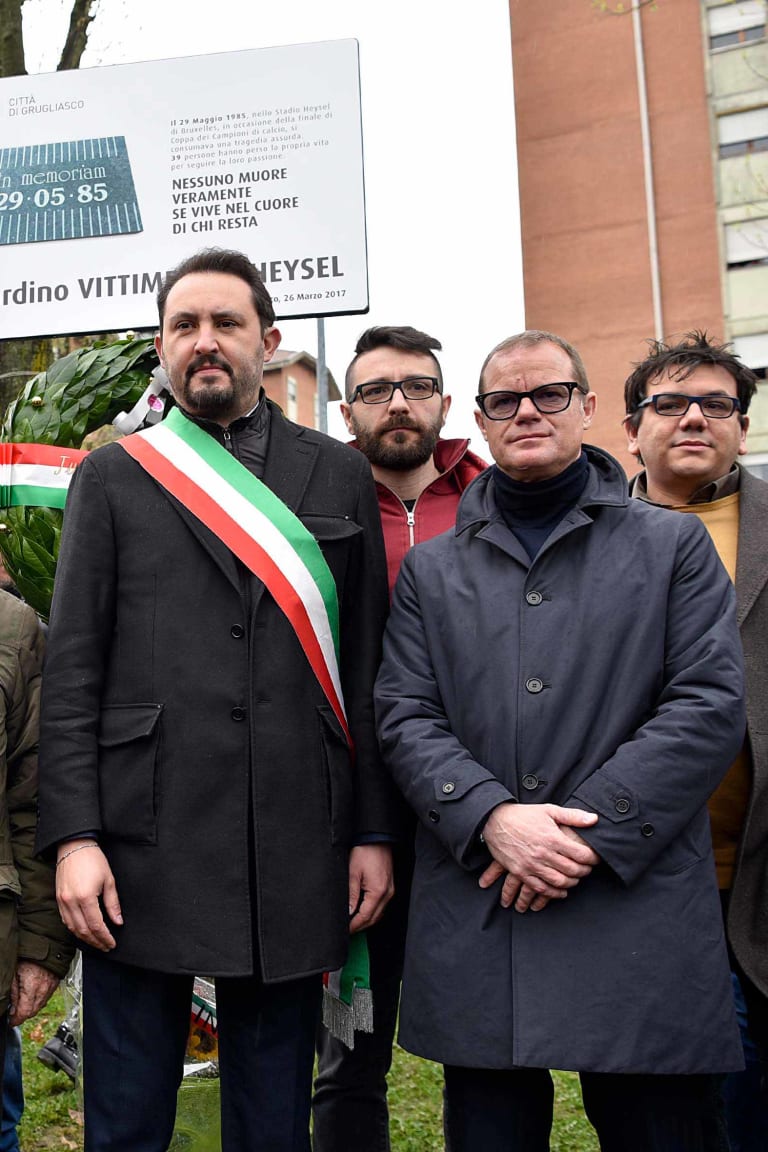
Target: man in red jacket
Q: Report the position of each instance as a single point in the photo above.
(395, 408)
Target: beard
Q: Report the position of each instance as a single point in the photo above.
(401, 451)
(215, 400)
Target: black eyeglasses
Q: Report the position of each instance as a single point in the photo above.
(382, 391)
(677, 404)
(547, 398)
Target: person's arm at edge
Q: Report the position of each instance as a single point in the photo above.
(45, 947)
(672, 764)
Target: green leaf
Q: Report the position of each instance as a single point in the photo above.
(76, 395)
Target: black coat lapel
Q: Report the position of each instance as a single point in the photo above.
(290, 460)
(287, 471)
(215, 548)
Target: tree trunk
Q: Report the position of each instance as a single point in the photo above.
(18, 358)
(83, 12)
(11, 41)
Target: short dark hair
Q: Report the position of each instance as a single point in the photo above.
(232, 264)
(405, 338)
(678, 361)
(529, 339)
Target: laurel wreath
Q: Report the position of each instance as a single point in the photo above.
(78, 394)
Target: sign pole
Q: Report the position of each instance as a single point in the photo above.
(322, 378)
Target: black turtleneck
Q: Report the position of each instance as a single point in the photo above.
(533, 510)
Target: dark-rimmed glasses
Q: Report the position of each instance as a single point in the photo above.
(382, 391)
(547, 398)
(678, 403)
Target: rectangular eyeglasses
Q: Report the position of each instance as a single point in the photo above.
(547, 398)
(382, 391)
(678, 403)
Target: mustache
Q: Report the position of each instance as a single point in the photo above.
(395, 422)
(209, 360)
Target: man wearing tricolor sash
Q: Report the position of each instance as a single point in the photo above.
(211, 779)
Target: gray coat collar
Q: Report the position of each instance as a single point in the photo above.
(607, 485)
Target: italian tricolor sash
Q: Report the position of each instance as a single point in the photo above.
(258, 528)
(36, 474)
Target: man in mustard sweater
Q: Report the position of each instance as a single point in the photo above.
(687, 424)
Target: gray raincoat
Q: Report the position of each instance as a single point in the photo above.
(605, 675)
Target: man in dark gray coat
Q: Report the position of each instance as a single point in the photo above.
(687, 420)
(214, 638)
(562, 689)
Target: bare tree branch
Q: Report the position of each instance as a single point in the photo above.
(83, 12)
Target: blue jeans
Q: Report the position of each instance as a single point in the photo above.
(13, 1092)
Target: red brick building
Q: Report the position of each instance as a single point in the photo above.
(290, 379)
(642, 140)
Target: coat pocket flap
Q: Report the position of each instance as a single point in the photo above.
(121, 723)
(330, 527)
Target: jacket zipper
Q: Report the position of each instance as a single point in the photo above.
(411, 520)
(410, 514)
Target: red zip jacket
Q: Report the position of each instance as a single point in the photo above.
(435, 509)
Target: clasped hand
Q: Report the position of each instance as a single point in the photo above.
(539, 849)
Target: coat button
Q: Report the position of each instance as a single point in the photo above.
(530, 781)
(434, 816)
(534, 684)
(647, 829)
(237, 631)
(622, 806)
(238, 713)
(449, 787)
(534, 598)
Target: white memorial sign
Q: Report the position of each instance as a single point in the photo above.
(111, 176)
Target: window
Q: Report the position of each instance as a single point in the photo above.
(753, 351)
(292, 399)
(746, 242)
(756, 463)
(741, 133)
(736, 23)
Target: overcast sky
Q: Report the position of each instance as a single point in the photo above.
(439, 144)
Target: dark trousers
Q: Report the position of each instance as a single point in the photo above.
(745, 1094)
(745, 1104)
(511, 1111)
(757, 1022)
(349, 1107)
(135, 1027)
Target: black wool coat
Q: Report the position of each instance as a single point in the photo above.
(182, 723)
